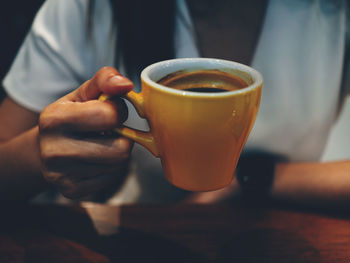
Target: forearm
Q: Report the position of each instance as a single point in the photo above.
(313, 184)
(325, 185)
(20, 176)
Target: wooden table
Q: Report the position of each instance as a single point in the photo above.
(171, 233)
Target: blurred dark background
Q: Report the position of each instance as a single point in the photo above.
(16, 17)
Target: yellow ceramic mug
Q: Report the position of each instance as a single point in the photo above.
(198, 136)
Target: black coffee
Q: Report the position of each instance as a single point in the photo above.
(210, 90)
(205, 80)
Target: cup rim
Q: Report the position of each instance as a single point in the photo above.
(173, 65)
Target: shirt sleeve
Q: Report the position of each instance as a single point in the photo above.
(58, 54)
(346, 78)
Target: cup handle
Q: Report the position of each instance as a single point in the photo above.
(146, 139)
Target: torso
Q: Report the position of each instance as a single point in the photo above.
(227, 29)
(298, 46)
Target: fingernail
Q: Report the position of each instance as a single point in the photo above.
(119, 80)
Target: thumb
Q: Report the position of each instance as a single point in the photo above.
(108, 81)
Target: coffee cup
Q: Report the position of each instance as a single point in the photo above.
(200, 112)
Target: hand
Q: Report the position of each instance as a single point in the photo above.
(77, 156)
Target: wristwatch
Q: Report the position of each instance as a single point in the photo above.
(255, 174)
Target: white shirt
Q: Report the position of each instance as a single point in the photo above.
(300, 54)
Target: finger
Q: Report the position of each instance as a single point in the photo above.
(59, 150)
(78, 170)
(79, 173)
(91, 115)
(77, 190)
(107, 80)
